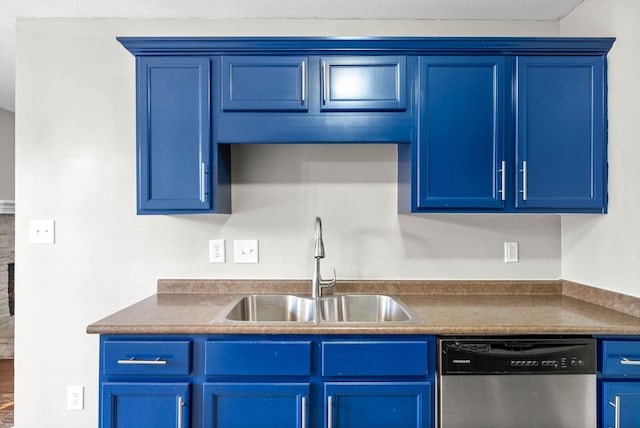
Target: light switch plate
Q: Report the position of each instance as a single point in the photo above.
(245, 251)
(41, 232)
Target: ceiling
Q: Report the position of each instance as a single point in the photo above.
(545, 10)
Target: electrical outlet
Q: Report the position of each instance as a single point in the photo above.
(217, 251)
(75, 397)
(511, 252)
(245, 251)
(41, 232)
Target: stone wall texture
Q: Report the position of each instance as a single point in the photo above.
(7, 255)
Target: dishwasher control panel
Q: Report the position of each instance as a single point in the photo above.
(511, 355)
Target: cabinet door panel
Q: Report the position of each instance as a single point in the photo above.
(378, 404)
(173, 134)
(145, 405)
(255, 405)
(364, 83)
(560, 132)
(263, 83)
(626, 397)
(461, 138)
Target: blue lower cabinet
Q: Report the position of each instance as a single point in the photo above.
(621, 404)
(145, 405)
(378, 404)
(280, 381)
(254, 405)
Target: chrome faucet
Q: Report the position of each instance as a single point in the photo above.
(317, 283)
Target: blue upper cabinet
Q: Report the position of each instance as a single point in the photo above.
(509, 134)
(177, 171)
(561, 142)
(364, 83)
(482, 125)
(460, 150)
(173, 134)
(264, 83)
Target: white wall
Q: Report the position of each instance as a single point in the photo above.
(604, 250)
(7, 155)
(76, 164)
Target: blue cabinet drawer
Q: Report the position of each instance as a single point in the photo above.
(258, 358)
(264, 83)
(386, 358)
(364, 83)
(147, 357)
(621, 358)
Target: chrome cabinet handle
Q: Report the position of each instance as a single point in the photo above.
(324, 82)
(303, 403)
(180, 410)
(503, 180)
(329, 412)
(616, 405)
(304, 81)
(202, 181)
(628, 362)
(524, 180)
(133, 361)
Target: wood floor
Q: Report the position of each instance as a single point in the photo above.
(6, 393)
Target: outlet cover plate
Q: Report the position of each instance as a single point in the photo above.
(217, 251)
(511, 252)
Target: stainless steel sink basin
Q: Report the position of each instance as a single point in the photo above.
(355, 308)
(266, 307)
(362, 309)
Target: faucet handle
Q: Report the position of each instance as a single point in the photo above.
(329, 282)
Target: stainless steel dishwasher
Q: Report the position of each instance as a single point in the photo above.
(517, 382)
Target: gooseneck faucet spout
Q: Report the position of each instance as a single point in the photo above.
(317, 283)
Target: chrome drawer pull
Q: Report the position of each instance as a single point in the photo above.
(628, 362)
(203, 184)
(180, 415)
(133, 361)
(304, 81)
(503, 180)
(325, 76)
(303, 404)
(329, 412)
(616, 405)
(524, 180)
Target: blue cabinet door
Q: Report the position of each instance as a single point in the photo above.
(145, 405)
(364, 83)
(621, 404)
(460, 153)
(378, 404)
(264, 83)
(561, 145)
(173, 134)
(255, 405)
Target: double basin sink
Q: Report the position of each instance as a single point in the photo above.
(355, 308)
